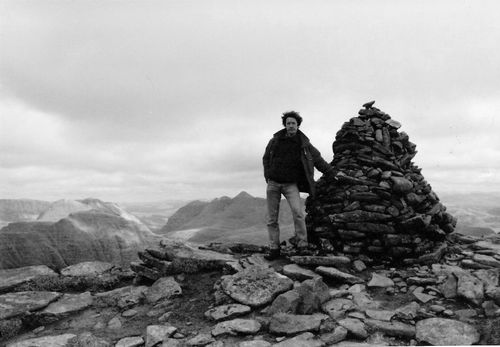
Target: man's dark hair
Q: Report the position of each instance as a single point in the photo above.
(292, 114)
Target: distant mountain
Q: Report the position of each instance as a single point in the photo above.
(98, 231)
(21, 210)
(242, 218)
(478, 214)
(154, 214)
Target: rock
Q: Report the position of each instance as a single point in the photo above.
(237, 326)
(188, 258)
(313, 293)
(364, 302)
(449, 287)
(486, 260)
(287, 302)
(200, 340)
(320, 261)
(442, 331)
(67, 305)
(89, 268)
(255, 343)
(490, 279)
(423, 297)
(380, 281)
(129, 313)
(355, 327)
(394, 328)
(115, 323)
(290, 324)
(18, 303)
(337, 275)
(163, 288)
(224, 312)
(409, 311)
(87, 339)
(338, 334)
(123, 297)
(470, 288)
(491, 309)
(11, 278)
(255, 286)
(359, 266)
(45, 341)
(401, 185)
(157, 333)
(383, 315)
(302, 340)
(298, 273)
(132, 341)
(465, 314)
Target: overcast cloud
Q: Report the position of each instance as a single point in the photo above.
(157, 100)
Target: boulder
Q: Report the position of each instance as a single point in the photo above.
(302, 340)
(394, 328)
(380, 281)
(18, 303)
(255, 286)
(89, 268)
(470, 288)
(132, 341)
(355, 327)
(123, 297)
(298, 273)
(446, 332)
(157, 333)
(12, 277)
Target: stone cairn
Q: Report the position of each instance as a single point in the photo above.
(379, 204)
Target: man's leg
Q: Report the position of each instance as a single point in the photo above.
(273, 194)
(292, 195)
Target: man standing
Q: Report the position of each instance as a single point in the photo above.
(289, 162)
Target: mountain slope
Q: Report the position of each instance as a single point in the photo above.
(21, 210)
(240, 219)
(101, 231)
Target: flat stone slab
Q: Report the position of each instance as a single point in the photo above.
(15, 304)
(298, 273)
(88, 268)
(313, 260)
(337, 308)
(68, 304)
(383, 315)
(291, 324)
(338, 275)
(224, 312)
(12, 277)
(45, 341)
(123, 297)
(188, 258)
(237, 326)
(255, 286)
(302, 340)
(133, 341)
(446, 332)
(395, 328)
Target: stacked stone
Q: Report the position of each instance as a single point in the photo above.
(379, 204)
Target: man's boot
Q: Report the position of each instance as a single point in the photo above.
(273, 254)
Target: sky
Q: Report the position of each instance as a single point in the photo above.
(139, 101)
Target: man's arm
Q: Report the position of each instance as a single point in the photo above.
(319, 162)
(266, 160)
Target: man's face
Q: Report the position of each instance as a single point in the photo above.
(291, 126)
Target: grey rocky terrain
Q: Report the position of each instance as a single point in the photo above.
(228, 295)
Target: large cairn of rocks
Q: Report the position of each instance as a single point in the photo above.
(378, 205)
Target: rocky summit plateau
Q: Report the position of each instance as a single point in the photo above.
(183, 294)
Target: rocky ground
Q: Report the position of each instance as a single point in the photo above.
(228, 295)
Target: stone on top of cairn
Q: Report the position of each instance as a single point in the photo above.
(379, 205)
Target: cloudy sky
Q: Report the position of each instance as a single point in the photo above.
(157, 100)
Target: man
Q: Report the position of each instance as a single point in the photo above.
(289, 162)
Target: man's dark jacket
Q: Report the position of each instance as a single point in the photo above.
(309, 156)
